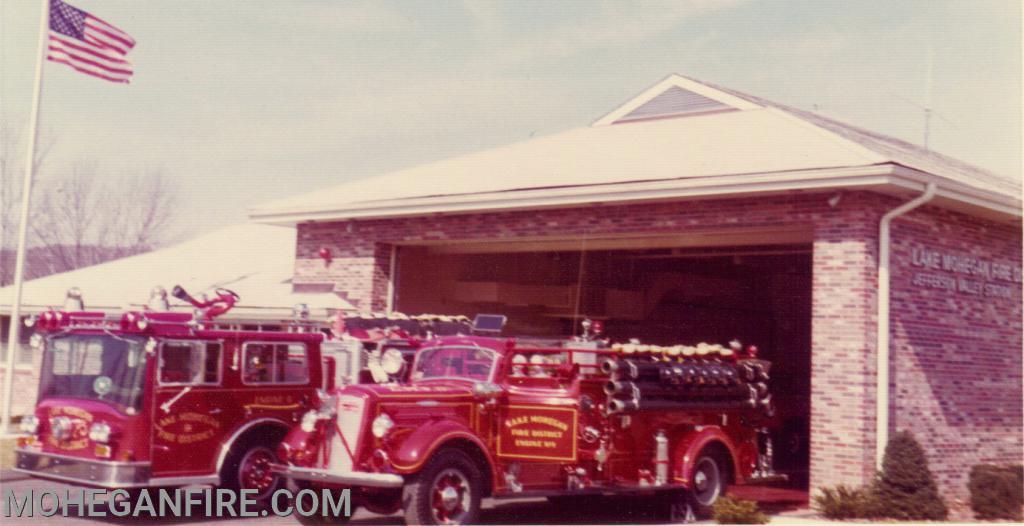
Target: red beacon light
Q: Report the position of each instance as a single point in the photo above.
(751, 351)
(325, 254)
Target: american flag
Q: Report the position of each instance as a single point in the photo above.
(88, 44)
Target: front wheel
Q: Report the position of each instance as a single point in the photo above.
(448, 491)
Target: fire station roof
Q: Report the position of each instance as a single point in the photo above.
(256, 261)
(680, 138)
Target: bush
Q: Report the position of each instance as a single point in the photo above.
(729, 510)
(996, 492)
(905, 489)
(843, 502)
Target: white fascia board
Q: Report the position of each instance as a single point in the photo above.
(961, 192)
(862, 177)
(730, 185)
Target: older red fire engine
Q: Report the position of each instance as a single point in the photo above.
(155, 398)
(502, 417)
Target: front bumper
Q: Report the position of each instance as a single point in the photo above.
(348, 478)
(98, 473)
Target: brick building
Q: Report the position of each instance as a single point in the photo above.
(696, 213)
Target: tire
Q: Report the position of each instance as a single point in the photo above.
(447, 491)
(708, 478)
(247, 467)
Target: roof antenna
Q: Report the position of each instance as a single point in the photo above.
(928, 96)
(927, 106)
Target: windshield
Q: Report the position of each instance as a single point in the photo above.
(99, 367)
(471, 363)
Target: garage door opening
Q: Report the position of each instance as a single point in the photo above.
(759, 294)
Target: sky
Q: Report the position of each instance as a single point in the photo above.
(248, 102)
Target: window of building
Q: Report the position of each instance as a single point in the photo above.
(274, 363)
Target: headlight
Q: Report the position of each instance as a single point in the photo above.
(392, 361)
(99, 432)
(309, 421)
(381, 425)
(29, 424)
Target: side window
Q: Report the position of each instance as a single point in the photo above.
(189, 363)
(274, 363)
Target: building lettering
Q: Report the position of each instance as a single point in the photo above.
(963, 273)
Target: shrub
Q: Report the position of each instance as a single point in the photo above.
(905, 489)
(729, 510)
(843, 502)
(996, 491)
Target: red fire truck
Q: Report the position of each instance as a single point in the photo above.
(155, 398)
(503, 417)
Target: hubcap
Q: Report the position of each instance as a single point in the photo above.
(707, 482)
(254, 471)
(450, 497)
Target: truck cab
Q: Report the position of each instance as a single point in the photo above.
(502, 417)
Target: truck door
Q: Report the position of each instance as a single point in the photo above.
(188, 414)
(538, 427)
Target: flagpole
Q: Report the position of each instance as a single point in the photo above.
(13, 334)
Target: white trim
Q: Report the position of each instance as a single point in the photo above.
(668, 82)
(883, 332)
(874, 177)
(392, 267)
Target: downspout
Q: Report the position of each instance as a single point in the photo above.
(882, 347)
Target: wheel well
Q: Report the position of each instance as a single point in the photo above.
(478, 456)
(721, 453)
(271, 432)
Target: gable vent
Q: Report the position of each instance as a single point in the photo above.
(674, 102)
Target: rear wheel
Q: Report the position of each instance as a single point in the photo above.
(708, 483)
(248, 468)
(447, 491)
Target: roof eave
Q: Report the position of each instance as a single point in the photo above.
(885, 178)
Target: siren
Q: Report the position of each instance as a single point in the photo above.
(158, 300)
(73, 300)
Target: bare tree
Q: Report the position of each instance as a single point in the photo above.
(83, 219)
(11, 177)
(144, 214)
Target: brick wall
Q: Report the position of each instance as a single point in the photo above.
(956, 368)
(843, 299)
